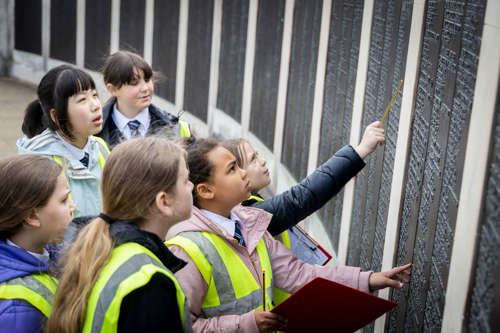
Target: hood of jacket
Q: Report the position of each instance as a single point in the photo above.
(49, 144)
(45, 143)
(17, 262)
(254, 220)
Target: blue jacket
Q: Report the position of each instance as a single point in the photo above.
(83, 182)
(18, 315)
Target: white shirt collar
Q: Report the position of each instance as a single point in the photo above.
(76, 152)
(121, 121)
(44, 257)
(224, 222)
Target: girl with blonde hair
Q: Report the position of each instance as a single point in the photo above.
(118, 275)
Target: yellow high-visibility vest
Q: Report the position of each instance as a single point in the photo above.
(184, 130)
(232, 288)
(284, 237)
(36, 289)
(130, 267)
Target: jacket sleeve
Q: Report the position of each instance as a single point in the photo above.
(17, 316)
(195, 288)
(305, 198)
(290, 273)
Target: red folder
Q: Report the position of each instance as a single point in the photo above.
(327, 306)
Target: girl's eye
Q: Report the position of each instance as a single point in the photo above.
(81, 100)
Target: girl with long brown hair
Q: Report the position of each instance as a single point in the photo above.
(34, 212)
(118, 275)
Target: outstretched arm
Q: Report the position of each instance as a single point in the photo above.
(305, 198)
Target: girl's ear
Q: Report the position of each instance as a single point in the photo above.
(52, 113)
(33, 220)
(205, 191)
(163, 203)
(111, 89)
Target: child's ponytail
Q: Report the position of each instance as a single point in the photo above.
(82, 265)
(34, 119)
(135, 171)
(54, 90)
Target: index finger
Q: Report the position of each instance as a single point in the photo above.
(399, 269)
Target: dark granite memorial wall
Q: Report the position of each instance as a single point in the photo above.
(199, 48)
(300, 92)
(484, 303)
(268, 39)
(386, 68)
(97, 33)
(165, 44)
(445, 91)
(132, 18)
(63, 30)
(28, 26)
(340, 81)
(439, 126)
(232, 56)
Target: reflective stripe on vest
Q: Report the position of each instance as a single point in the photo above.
(36, 289)
(130, 267)
(284, 237)
(232, 288)
(184, 130)
(279, 294)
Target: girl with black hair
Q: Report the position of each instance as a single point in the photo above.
(60, 124)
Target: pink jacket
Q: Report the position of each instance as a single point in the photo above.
(289, 273)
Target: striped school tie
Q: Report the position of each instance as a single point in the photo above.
(134, 127)
(85, 160)
(238, 236)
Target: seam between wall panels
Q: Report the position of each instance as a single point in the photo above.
(474, 179)
(357, 113)
(402, 145)
(282, 90)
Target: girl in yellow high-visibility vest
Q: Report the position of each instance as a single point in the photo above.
(34, 213)
(227, 247)
(118, 274)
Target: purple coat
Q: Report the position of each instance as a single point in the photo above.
(18, 315)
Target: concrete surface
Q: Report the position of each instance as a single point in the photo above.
(14, 97)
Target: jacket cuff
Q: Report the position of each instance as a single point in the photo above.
(364, 279)
(356, 159)
(248, 323)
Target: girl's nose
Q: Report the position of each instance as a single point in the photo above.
(96, 103)
(72, 207)
(243, 173)
(263, 161)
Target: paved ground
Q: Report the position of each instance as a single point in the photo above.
(14, 97)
